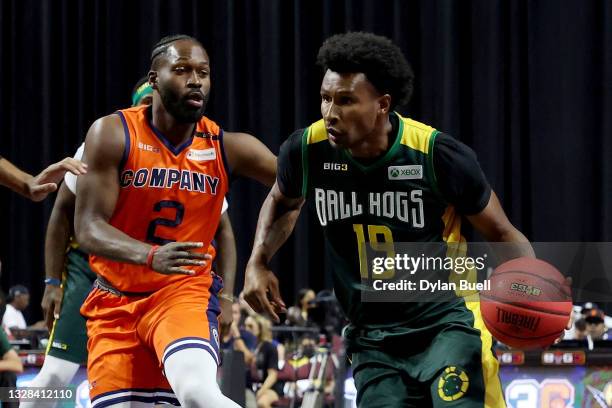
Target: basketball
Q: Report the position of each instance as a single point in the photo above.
(529, 303)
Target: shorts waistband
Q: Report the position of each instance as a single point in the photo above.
(105, 285)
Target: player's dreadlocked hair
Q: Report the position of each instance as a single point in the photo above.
(162, 45)
(377, 57)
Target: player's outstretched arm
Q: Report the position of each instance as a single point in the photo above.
(249, 157)
(47, 180)
(277, 219)
(495, 226)
(14, 178)
(57, 239)
(97, 195)
(36, 188)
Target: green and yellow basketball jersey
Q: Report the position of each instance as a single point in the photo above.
(394, 199)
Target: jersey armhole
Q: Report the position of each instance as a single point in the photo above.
(305, 161)
(430, 163)
(226, 167)
(126, 148)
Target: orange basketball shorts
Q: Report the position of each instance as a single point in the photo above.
(130, 337)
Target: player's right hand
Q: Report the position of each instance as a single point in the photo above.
(47, 180)
(169, 259)
(261, 291)
(52, 304)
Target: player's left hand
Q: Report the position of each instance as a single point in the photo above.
(51, 304)
(261, 291)
(47, 180)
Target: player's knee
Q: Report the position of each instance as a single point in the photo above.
(56, 379)
(193, 394)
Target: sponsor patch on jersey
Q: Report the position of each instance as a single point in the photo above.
(148, 147)
(59, 345)
(453, 384)
(202, 155)
(411, 172)
(335, 166)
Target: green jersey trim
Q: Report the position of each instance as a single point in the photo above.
(305, 161)
(383, 160)
(430, 163)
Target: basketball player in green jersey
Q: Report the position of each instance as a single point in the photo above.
(364, 157)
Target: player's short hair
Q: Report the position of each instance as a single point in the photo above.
(162, 45)
(15, 291)
(382, 62)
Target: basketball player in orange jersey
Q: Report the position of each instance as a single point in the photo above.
(147, 210)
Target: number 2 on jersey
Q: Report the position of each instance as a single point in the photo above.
(165, 222)
(386, 245)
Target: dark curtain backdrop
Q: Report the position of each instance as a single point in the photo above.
(527, 84)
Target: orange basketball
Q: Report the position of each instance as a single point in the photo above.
(528, 305)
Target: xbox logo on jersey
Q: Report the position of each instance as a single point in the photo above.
(412, 172)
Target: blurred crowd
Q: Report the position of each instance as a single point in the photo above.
(284, 362)
(590, 324)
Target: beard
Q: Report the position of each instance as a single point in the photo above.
(179, 108)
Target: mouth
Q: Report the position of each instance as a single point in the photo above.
(195, 99)
(333, 133)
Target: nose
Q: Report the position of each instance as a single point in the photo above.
(194, 80)
(330, 114)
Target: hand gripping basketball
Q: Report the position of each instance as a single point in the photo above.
(529, 304)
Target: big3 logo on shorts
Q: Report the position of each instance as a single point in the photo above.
(453, 384)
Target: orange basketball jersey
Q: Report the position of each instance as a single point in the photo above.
(167, 194)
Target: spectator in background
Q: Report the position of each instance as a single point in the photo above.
(580, 330)
(298, 315)
(237, 337)
(596, 328)
(265, 366)
(18, 300)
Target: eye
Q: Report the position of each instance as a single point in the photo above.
(345, 100)
(204, 73)
(325, 98)
(179, 69)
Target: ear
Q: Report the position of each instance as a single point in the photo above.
(384, 104)
(153, 79)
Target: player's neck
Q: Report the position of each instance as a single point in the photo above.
(376, 143)
(176, 132)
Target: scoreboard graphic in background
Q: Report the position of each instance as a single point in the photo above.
(560, 379)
